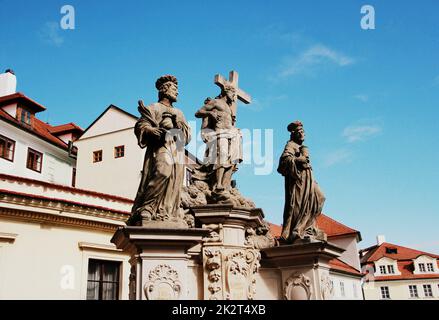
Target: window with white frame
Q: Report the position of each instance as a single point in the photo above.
(422, 267)
(34, 160)
(390, 269)
(385, 293)
(427, 291)
(342, 292)
(413, 290)
(383, 270)
(354, 288)
(430, 267)
(7, 148)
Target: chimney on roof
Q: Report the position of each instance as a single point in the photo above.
(381, 239)
(8, 83)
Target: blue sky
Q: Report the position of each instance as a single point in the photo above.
(368, 98)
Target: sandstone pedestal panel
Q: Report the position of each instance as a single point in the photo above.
(303, 267)
(161, 263)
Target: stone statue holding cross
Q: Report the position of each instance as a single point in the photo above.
(223, 140)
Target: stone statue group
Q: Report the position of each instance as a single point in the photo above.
(163, 201)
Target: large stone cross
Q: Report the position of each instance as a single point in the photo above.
(233, 81)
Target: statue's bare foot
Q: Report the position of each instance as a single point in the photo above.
(146, 216)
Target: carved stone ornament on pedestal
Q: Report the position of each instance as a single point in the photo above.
(298, 287)
(260, 237)
(163, 284)
(241, 268)
(213, 266)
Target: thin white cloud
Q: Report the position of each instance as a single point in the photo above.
(51, 33)
(362, 97)
(361, 132)
(337, 157)
(311, 58)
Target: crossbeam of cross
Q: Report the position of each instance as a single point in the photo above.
(233, 81)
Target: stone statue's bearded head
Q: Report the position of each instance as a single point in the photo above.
(167, 87)
(297, 132)
(230, 92)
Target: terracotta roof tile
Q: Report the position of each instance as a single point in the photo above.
(20, 97)
(68, 127)
(403, 253)
(331, 227)
(337, 264)
(40, 128)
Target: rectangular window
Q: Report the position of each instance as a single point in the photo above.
(97, 156)
(103, 280)
(354, 288)
(342, 289)
(119, 151)
(430, 267)
(385, 294)
(25, 117)
(7, 148)
(427, 291)
(422, 267)
(34, 160)
(413, 290)
(390, 269)
(383, 269)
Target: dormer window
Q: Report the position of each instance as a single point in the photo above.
(422, 267)
(390, 269)
(391, 250)
(25, 117)
(430, 267)
(383, 270)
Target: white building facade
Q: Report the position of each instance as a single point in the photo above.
(399, 273)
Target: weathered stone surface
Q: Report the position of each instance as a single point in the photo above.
(163, 130)
(223, 144)
(298, 287)
(304, 199)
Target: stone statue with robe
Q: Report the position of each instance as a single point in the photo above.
(303, 198)
(162, 129)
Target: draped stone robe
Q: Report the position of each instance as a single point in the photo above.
(303, 197)
(163, 168)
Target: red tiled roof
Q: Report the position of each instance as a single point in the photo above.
(65, 188)
(39, 128)
(403, 253)
(275, 229)
(63, 128)
(19, 97)
(404, 257)
(331, 227)
(339, 265)
(334, 228)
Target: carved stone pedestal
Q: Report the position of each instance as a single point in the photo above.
(159, 260)
(230, 261)
(304, 268)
